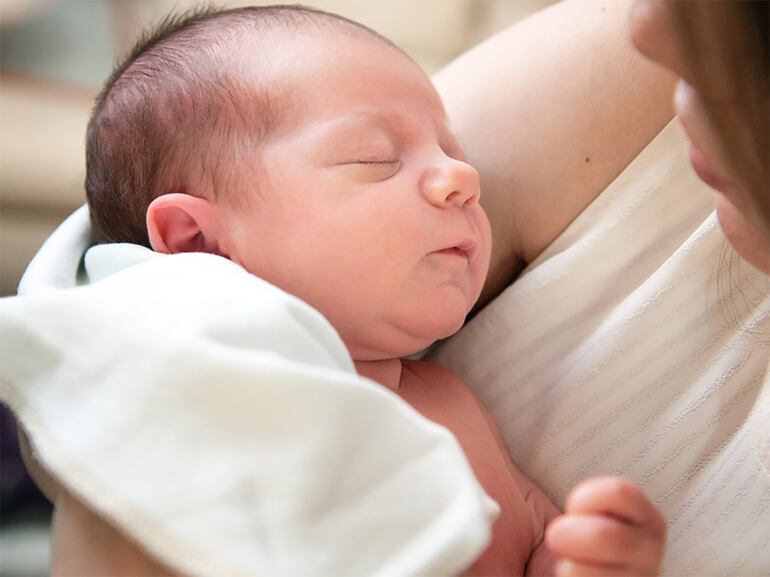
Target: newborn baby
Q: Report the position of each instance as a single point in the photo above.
(316, 154)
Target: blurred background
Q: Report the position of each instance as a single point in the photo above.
(54, 56)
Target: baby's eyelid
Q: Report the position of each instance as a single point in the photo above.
(393, 161)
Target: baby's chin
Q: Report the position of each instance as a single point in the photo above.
(402, 339)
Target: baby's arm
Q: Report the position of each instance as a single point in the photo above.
(608, 528)
(542, 561)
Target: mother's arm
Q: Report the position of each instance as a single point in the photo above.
(550, 111)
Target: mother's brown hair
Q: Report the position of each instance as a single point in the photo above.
(727, 47)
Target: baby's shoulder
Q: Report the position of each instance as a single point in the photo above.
(437, 392)
(430, 374)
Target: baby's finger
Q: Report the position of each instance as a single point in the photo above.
(619, 498)
(603, 541)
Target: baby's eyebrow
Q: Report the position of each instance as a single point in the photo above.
(360, 120)
(355, 125)
(344, 136)
(394, 126)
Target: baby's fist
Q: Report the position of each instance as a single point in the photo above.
(608, 528)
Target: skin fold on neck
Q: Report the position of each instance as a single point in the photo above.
(386, 372)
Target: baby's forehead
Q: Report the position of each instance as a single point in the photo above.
(335, 86)
(370, 121)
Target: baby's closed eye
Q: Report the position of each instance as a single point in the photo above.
(374, 162)
(372, 168)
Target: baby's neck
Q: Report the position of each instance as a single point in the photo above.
(387, 372)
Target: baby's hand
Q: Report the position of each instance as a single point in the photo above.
(608, 528)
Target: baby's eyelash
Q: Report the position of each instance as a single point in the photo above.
(376, 162)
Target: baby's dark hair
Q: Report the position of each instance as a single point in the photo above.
(176, 113)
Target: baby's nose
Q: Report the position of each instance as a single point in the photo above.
(453, 183)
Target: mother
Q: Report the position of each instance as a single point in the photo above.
(636, 341)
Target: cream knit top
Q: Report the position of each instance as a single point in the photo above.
(638, 344)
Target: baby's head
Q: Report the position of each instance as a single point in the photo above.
(309, 150)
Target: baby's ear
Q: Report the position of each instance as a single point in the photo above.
(179, 222)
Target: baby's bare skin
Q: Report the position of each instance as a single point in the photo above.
(609, 527)
(517, 546)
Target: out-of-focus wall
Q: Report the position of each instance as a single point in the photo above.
(54, 55)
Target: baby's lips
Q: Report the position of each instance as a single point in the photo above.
(467, 248)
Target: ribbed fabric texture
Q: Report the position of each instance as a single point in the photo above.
(639, 344)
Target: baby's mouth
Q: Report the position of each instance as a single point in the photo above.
(464, 249)
(453, 251)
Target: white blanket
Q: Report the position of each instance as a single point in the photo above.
(220, 422)
(638, 344)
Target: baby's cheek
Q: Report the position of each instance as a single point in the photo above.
(482, 262)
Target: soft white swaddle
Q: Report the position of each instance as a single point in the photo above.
(220, 422)
(633, 345)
